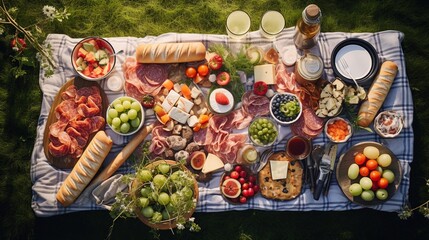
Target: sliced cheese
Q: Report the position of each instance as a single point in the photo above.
(179, 115)
(265, 73)
(279, 169)
(195, 92)
(212, 163)
(192, 121)
(170, 100)
(184, 104)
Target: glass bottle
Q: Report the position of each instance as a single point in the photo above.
(307, 29)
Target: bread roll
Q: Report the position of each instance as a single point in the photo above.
(170, 52)
(85, 169)
(377, 93)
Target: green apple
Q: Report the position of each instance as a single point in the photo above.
(384, 160)
(353, 171)
(147, 211)
(146, 192)
(355, 189)
(159, 180)
(144, 175)
(389, 175)
(143, 202)
(365, 183)
(164, 168)
(367, 195)
(163, 198)
(381, 194)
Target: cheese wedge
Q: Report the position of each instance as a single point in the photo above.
(279, 169)
(265, 73)
(212, 163)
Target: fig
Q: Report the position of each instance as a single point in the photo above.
(197, 160)
(231, 188)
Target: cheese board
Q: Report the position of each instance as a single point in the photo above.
(63, 125)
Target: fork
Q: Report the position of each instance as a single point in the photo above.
(346, 67)
(262, 161)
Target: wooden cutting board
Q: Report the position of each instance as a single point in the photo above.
(69, 162)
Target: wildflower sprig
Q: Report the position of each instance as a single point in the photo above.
(31, 34)
(423, 208)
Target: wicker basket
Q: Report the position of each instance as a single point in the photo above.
(166, 224)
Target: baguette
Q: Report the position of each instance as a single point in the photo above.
(170, 52)
(110, 169)
(377, 93)
(85, 169)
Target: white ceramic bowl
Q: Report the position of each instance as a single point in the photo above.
(132, 129)
(349, 128)
(101, 43)
(274, 106)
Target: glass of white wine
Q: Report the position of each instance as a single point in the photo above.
(272, 23)
(237, 24)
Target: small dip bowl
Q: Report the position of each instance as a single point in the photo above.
(285, 108)
(263, 131)
(338, 129)
(125, 115)
(388, 124)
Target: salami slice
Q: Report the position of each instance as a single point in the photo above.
(312, 121)
(153, 74)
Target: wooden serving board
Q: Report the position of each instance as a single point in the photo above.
(68, 162)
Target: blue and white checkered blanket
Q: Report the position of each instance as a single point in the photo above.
(47, 179)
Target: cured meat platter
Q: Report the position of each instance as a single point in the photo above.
(67, 132)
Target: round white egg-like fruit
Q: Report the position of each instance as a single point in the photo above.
(355, 189)
(367, 195)
(371, 152)
(389, 175)
(384, 160)
(365, 183)
(228, 167)
(353, 171)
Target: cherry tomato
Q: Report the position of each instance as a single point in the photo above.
(148, 101)
(375, 175)
(360, 159)
(245, 186)
(243, 173)
(245, 192)
(234, 174)
(256, 188)
(363, 171)
(191, 72)
(260, 88)
(383, 183)
(238, 168)
(371, 164)
(251, 184)
(374, 186)
(203, 70)
(250, 192)
(226, 177)
(242, 180)
(252, 179)
(243, 199)
(18, 45)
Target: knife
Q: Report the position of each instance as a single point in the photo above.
(324, 168)
(333, 156)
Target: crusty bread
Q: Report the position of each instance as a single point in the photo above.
(170, 52)
(377, 93)
(85, 169)
(283, 189)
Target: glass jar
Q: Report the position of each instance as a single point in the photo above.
(247, 155)
(308, 69)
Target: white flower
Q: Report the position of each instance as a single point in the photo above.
(192, 229)
(180, 226)
(191, 219)
(49, 11)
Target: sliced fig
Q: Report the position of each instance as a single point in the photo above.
(197, 160)
(231, 188)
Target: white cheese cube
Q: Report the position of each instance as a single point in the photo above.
(338, 84)
(179, 115)
(170, 100)
(195, 92)
(192, 121)
(265, 73)
(184, 104)
(330, 104)
(279, 169)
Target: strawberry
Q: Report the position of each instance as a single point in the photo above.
(221, 98)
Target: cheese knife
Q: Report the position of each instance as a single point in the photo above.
(325, 166)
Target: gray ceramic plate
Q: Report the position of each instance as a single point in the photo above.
(348, 158)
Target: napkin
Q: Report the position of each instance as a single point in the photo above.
(106, 192)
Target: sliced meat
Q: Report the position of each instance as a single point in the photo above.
(80, 138)
(153, 74)
(69, 93)
(312, 121)
(56, 128)
(255, 105)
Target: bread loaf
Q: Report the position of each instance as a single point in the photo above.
(170, 52)
(377, 93)
(85, 169)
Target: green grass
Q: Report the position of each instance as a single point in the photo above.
(20, 105)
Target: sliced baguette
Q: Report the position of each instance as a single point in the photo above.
(85, 169)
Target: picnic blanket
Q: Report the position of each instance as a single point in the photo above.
(47, 179)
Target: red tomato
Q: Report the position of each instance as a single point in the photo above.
(251, 184)
(360, 159)
(245, 192)
(191, 72)
(383, 183)
(238, 168)
(226, 177)
(245, 186)
(252, 179)
(260, 88)
(374, 186)
(234, 174)
(363, 171)
(203, 70)
(371, 164)
(243, 173)
(251, 192)
(375, 175)
(243, 199)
